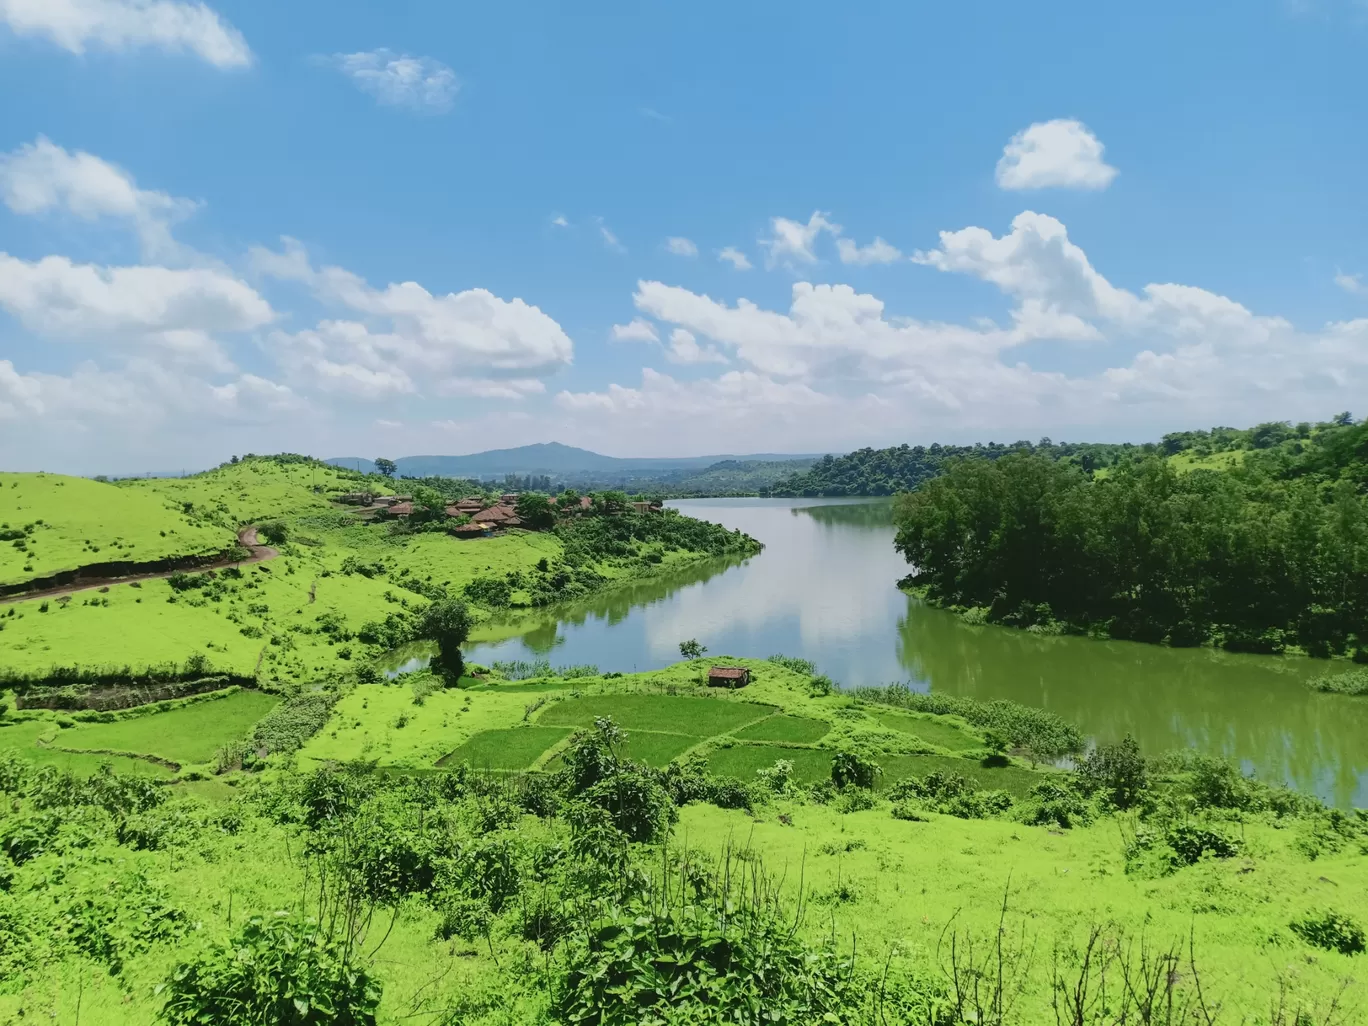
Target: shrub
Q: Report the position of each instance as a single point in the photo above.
(1331, 930)
(694, 964)
(1350, 682)
(1190, 842)
(1055, 804)
(281, 969)
(850, 769)
(277, 532)
(637, 804)
(1115, 771)
(489, 591)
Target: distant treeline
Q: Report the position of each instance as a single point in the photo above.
(903, 467)
(1268, 552)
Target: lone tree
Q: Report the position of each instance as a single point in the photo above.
(447, 622)
(691, 649)
(387, 467)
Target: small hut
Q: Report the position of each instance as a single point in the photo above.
(728, 677)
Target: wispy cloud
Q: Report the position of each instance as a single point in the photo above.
(609, 239)
(421, 84)
(680, 246)
(1352, 283)
(732, 255)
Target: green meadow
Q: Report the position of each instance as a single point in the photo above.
(50, 523)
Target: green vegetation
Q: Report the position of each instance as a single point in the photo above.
(513, 748)
(668, 714)
(740, 877)
(344, 589)
(53, 523)
(1349, 682)
(904, 467)
(191, 734)
(797, 730)
(1268, 553)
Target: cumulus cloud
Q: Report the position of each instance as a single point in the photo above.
(179, 310)
(684, 349)
(421, 84)
(680, 246)
(1054, 154)
(636, 331)
(407, 340)
(792, 242)
(732, 255)
(41, 177)
(877, 252)
(76, 25)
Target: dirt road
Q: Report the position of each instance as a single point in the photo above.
(247, 538)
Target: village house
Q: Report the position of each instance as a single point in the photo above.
(728, 677)
(497, 516)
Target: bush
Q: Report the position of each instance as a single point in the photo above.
(282, 970)
(1190, 842)
(1051, 804)
(850, 769)
(495, 592)
(1115, 771)
(1350, 682)
(637, 804)
(1331, 930)
(696, 965)
(277, 532)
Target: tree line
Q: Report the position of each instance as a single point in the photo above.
(1269, 553)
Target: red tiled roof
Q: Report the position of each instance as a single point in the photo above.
(401, 509)
(495, 514)
(728, 672)
(467, 529)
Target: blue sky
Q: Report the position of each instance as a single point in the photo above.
(416, 227)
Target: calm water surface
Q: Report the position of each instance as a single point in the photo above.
(824, 588)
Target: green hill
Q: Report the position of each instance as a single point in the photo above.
(53, 523)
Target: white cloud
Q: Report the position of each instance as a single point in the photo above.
(609, 239)
(735, 257)
(469, 343)
(41, 177)
(680, 246)
(172, 25)
(391, 424)
(1060, 153)
(877, 252)
(736, 396)
(684, 349)
(792, 242)
(177, 309)
(399, 80)
(560, 222)
(637, 331)
(1352, 283)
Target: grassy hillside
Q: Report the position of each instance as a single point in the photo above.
(306, 613)
(502, 898)
(52, 523)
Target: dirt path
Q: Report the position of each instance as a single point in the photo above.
(247, 538)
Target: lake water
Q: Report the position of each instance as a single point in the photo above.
(824, 588)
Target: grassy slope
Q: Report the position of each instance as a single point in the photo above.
(92, 522)
(887, 882)
(140, 627)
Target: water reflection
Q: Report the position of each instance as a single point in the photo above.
(824, 588)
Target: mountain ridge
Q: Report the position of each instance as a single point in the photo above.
(554, 458)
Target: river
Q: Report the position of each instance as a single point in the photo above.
(824, 588)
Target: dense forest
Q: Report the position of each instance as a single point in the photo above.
(903, 467)
(1267, 550)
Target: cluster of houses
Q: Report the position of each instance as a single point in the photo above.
(484, 517)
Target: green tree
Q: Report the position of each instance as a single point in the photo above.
(447, 622)
(535, 510)
(387, 467)
(691, 649)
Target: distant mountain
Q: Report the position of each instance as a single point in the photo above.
(556, 460)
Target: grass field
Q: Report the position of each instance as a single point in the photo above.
(671, 714)
(191, 734)
(31, 740)
(67, 522)
(515, 748)
(810, 765)
(934, 731)
(797, 730)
